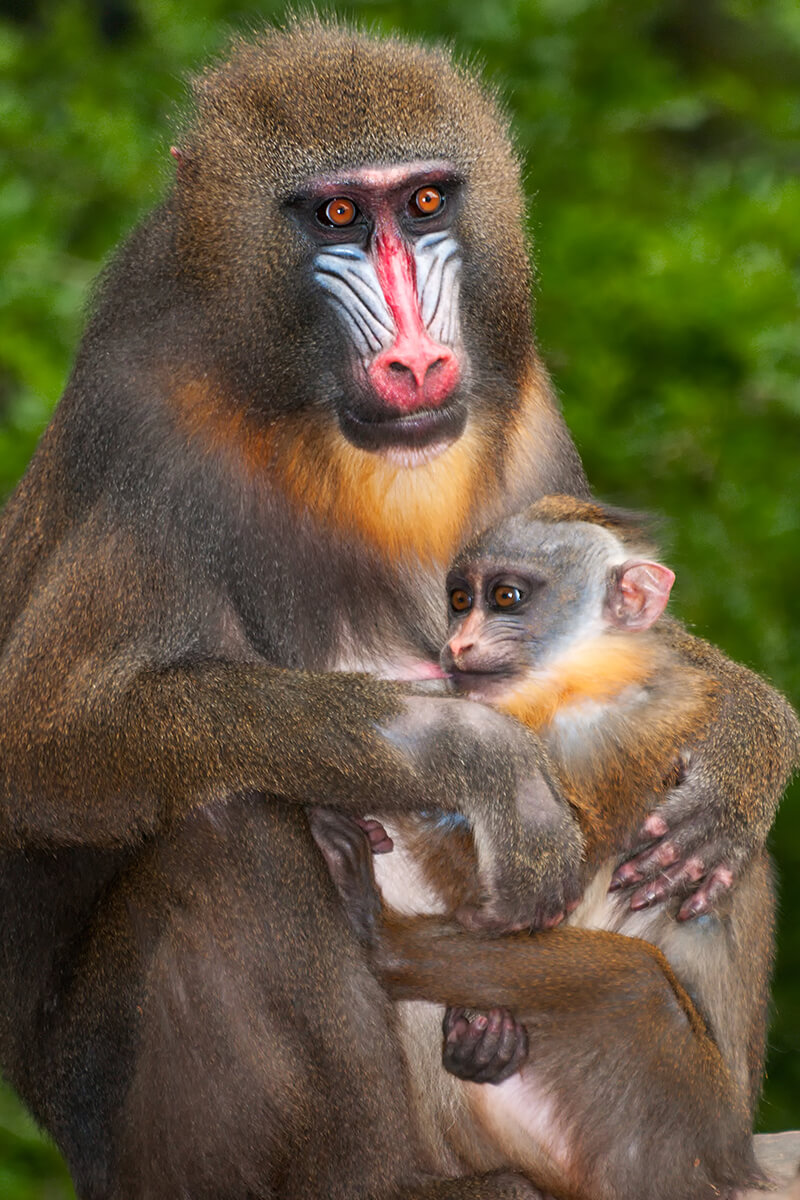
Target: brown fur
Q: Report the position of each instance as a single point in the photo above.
(627, 525)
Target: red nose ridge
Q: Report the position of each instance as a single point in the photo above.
(415, 372)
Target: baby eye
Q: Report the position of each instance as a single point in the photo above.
(460, 600)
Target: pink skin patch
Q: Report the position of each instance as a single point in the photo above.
(378, 838)
(415, 372)
(411, 670)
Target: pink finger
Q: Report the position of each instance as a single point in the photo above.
(654, 826)
(379, 840)
(636, 868)
(658, 889)
(707, 895)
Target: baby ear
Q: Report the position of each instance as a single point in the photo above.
(637, 594)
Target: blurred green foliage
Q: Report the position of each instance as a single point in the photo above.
(661, 141)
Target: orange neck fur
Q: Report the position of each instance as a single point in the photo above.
(403, 512)
(422, 512)
(615, 773)
(596, 671)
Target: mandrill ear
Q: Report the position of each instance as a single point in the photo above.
(637, 594)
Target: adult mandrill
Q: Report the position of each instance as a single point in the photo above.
(309, 375)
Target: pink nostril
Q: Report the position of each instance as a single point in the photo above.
(415, 369)
(414, 372)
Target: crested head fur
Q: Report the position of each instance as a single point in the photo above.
(318, 97)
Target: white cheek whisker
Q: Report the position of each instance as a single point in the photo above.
(346, 274)
(451, 335)
(345, 288)
(430, 295)
(424, 257)
(437, 267)
(360, 335)
(442, 325)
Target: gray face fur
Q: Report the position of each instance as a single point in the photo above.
(562, 571)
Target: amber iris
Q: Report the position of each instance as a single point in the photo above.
(339, 211)
(460, 600)
(505, 596)
(426, 201)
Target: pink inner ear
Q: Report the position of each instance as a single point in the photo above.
(639, 595)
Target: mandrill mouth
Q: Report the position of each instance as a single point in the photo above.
(489, 685)
(418, 430)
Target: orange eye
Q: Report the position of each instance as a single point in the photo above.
(505, 596)
(460, 600)
(426, 201)
(339, 212)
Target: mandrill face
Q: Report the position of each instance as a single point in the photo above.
(358, 242)
(389, 264)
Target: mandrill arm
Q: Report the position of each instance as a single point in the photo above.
(116, 722)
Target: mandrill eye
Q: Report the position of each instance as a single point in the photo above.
(506, 596)
(460, 600)
(426, 202)
(338, 212)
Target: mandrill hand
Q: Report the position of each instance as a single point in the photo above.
(483, 1047)
(687, 855)
(347, 846)
(378, 838)
(488, 767)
